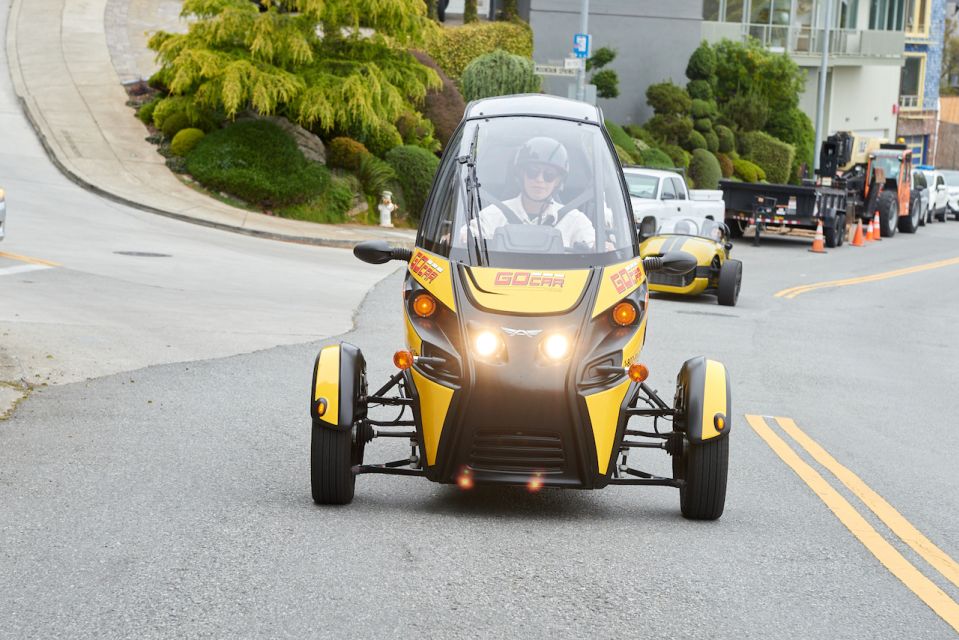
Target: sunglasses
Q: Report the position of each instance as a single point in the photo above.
(549, 175)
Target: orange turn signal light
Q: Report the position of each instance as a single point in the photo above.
(624, 314)
(403, 359)
(720, 421)
(424, 305)
(637, 372)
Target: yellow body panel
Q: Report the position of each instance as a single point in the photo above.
(434, 404)
(617, 282)
(434, 273)
(527, 290)
(327, 383)
(703, 249)
(604, 417)
(714, 397)
(635, 344)
(413, 341)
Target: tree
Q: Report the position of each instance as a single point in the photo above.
(950, 60)
(671, 123)
(469, 12)
(235, 57)
(606, 80)
(508, 10)
(749, 68)
(498, 74)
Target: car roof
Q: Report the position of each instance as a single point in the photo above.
(533, 104)
(654, 173)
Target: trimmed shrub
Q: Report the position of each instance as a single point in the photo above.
(668, 99)
(678, 155)
(704, 170)
(453, 48)
(747, 112)
(656, 159)
(725, 164)
(641, 133)
(498, 73)
(258, 162)
(345, 153)
(794, 127)
(669, 129)
(382, 139)
(415, 168)
(145, 112)
(196, 116)
(415, 129)
(329, 207)
(773, 155)
(623, 155)
(703, 125)
(699, 90)
(174, 123)
(185, 140)
(747, 171)
(695, 140)
(619, 137)
(727, 139)
(444, 108)
(702, 63)
(712, 141)
(375, 175)
(701, 108)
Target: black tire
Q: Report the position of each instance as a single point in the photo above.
(942, 217)
(924, 215)
(736, 229)
(910, 223)
(841, 230)
(331, 465)
(704, 468)
(888, 214)
(833, 233)
(730, 281)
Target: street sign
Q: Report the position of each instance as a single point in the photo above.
(574, 63)
(581, 45)
(553, 70)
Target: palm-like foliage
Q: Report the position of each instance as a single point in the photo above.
(314, 61)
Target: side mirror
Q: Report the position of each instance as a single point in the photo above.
(674, 263)
(647, 228)
(380, 252)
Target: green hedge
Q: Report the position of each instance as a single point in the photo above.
(145, 112)
(794, 127)
(704, 170)
(701, 108)
(712, 141)
(258, 162)
(329, 207)
(415, 168)
(184, 141)
(773, 155)
(453, 48)
(619, 136)
(699, 90)
(679, 156)
(382, 139)
(499, 73)
(747, 171)
(727, 139)
(345, 153)
(695, 140)
(656, 159)
(623, 155)
(725, 164)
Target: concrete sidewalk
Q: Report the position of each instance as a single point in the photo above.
(59, 52)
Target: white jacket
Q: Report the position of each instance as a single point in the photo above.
(575, 227)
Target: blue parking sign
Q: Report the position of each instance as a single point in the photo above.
(581, 45)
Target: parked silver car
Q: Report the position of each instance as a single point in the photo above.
(921, 187)
(938, 194)
(952, 183)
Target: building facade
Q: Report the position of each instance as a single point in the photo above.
(653, 40)
(866, 51)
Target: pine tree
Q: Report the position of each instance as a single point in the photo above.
(313, 61)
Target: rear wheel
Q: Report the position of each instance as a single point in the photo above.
(730, 281)
(910, 223)
(833, 233)
(703, 467)
(888, 214)
(331, 464)
(736, 228)
(941, 217)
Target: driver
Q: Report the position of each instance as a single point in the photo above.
(540, 166)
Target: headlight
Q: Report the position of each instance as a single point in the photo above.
(556, 346)
(487, 344)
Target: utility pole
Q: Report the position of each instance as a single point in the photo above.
(821, 98)
(581, 74)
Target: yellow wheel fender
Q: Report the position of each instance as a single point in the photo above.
(338, 394)
(703, 404)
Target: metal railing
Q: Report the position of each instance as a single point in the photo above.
(804, 40)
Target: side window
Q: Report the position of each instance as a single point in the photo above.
(669, 192)
(436, 229)
(680, 192)
(940, 181)
(920, 181)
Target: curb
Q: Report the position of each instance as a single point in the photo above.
(19, 87)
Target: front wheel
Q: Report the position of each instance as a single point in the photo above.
(703, 468)
(331, 465)
(730, 281)
(910, 223)
(888, 214)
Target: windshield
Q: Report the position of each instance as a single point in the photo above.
(951, 177)
(702, 227)
(888, 164)
(549, 196)
(641, 186)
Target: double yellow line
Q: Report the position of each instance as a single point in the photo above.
(895, 562)
(792, 292)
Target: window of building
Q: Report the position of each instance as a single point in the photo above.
(886, 15)
(917, 17)
(723, 10)
(917, 144)
(911, 81)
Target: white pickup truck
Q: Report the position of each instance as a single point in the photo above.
(663, 194)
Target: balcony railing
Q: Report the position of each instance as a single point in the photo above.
(806, 41)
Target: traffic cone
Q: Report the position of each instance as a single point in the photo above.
(876, 235)
(819, 242)
(857, 237)
(868, 231)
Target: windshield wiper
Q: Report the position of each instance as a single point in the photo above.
(475, 244)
